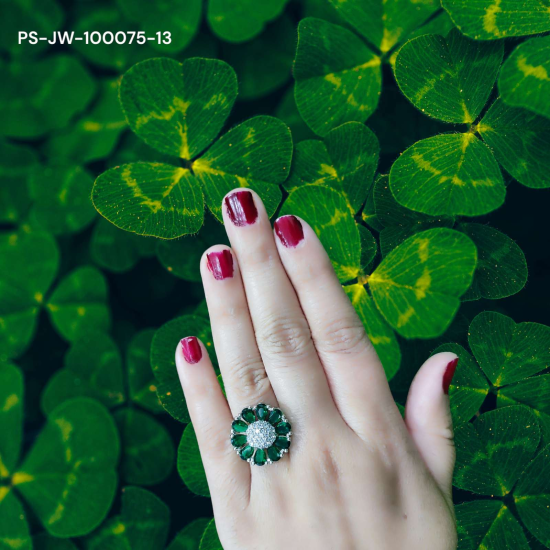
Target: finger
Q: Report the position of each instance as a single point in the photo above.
(228, 478)
(356, 377)
(282, 332)
(245, 379)
(428, 417)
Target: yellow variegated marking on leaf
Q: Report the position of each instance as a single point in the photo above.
(68, 454)
(490, 18)
(423, 246)
(539, 72)
(425, 165)
(118, 529)
(178, 106)
(404, 317)
(389, 39)
(21, 477)
(57, 515)
(65, 427)
(327, 169)
(10, 402)
(333, 79)
(15, 543)
(3, 469)
(4, 491)
(379, 340)
(93, 126)
(423, 284)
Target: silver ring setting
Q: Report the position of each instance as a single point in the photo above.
(261, 434)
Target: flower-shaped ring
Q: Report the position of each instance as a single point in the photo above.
(261, 434)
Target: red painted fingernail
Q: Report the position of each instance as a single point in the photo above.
(241, 208)
(289, 230)
(220, 264)
(191, 350)
(448, 376)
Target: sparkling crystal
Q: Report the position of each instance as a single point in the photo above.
(260, 434)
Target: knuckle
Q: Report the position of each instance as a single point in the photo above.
(285, 337)
(343, 336)
(248, 377)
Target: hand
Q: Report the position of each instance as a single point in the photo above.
(356, 476)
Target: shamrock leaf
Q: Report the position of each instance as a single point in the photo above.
(147, 449)
(241, 20)
(141, 381)
(524, 79)
(116, 250)
(17, 163)
(210, 539)
(180, 19)
(78, 303)
(40, 96)
(493, 19)
(334, 67)
(179, 109)
(417, 286)
(328, 213)
(143, 524)
(14, 528)
(448, 78)
(93, 368)
(491, 452)
(189, 537)
(11, 407)
(61, 197)
(379, 332)
(345, 160)
(501, 268)
(68, 476)
(469, 386)
(163, 362)
(94, 135)
(520, 141)
(190, 467)
(532, 496)
(397, 222)
(485, 524)
(508, 352)
(29, 265)
(384, 24)
(448, 174)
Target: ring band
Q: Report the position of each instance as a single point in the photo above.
(261, 434)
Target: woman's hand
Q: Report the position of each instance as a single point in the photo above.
(356, 476)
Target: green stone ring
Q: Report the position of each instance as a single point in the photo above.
(261, 434)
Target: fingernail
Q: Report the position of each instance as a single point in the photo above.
(241, 208)
(448, 376)
(191, 350)
(220, 264)
(289, 230)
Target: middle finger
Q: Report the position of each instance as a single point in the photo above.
(282, 331)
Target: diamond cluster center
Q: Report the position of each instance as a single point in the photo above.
(260, 434)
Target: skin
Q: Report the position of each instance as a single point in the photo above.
(357, 475)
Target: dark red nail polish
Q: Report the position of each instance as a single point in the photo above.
(289, 230)
(241, 208)
(448, 376)
(220, 264)
(191, 349)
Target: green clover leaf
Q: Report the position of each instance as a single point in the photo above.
(210, 539)
(417, 286)
(328, 212)
(190, 467)
(345, 160)
(494, 19)
(524, 79)
(190, 536)
(142, 524)
(179, 109)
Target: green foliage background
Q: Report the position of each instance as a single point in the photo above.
(415, 139)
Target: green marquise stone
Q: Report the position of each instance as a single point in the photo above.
(238, 440)
(246, 452)
(275, 416)
(282, 443)
(262, 411)
(260, 457)
(273, 453)
(283, 428)
(248, 415)
(239, 425)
